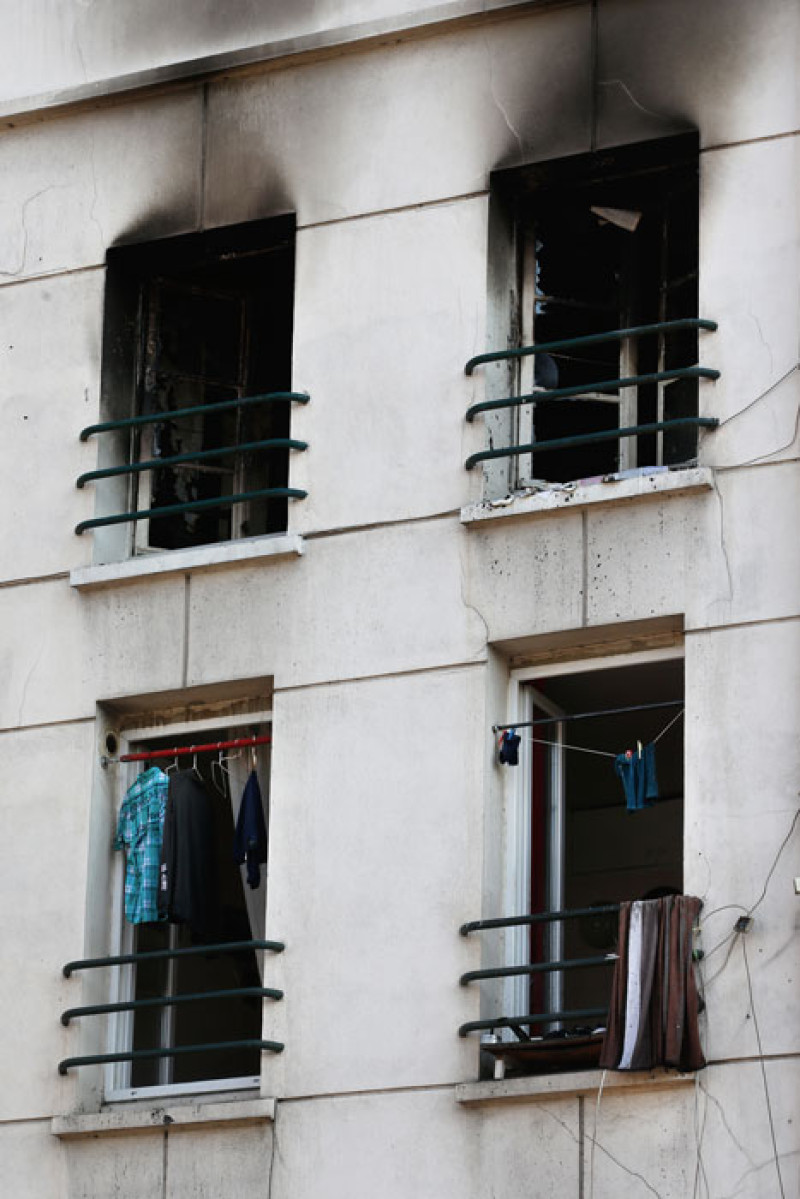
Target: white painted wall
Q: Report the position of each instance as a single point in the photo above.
(387, 640)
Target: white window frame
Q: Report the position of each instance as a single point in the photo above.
(518, 802)
(117, 1087)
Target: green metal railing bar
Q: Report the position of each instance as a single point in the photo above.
(606, 959)
(134, 1005)
(474, 926)
(159, 418)
(136, 1055)
(512, 451)
(603, 385)
(272, 443)
(590, 339)
(531, 724)
(530, 1018)
(225, 501)
(154, 955)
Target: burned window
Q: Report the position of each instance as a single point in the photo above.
(605, 242)
(193, 324)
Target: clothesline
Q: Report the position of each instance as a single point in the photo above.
(584, 749)
(569, 716)
(182, 751)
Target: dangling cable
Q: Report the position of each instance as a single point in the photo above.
(594, 1133)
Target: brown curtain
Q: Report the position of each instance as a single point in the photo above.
(652, 1020)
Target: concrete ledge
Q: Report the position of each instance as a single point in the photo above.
(174, 1116)
(610, 490)
(564, 1086)
(271, 548)
(20, 110)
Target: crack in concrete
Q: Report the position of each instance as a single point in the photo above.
(602, 1148)
(764, 341)
(722, 540)
(14, 274)
(756, 1169)
(463, 550)
(724, 1119)
(92, 209)
(659, 116)
(498, 102)
(25, 685)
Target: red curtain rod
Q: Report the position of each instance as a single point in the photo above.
(183, 750)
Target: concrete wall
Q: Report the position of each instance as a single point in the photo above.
(388, 642)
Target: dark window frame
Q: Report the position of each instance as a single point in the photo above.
(172, 296)
(546, 205)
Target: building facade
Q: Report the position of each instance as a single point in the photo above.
(272, 474)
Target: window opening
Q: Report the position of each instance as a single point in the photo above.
(192, 324)
(604, 242)
(577, 848)
(601, 853)
(236, 913)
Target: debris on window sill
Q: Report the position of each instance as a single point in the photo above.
(540, 497)
(222, 555)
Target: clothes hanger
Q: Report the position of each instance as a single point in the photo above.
(222, 770)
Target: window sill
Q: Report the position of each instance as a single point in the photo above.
(590, 492)
(175, 1116)
(541, 1087)
(272, 548)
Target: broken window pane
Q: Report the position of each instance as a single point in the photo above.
(607, 241)
(204, 318)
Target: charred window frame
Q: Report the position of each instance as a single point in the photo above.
(189, 321)
(591, 244)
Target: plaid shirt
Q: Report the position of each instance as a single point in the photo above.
(140, 831)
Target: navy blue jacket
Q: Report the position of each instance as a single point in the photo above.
(250, 838)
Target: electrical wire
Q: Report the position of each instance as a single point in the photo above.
(768, 454)
(594, 1133)
(273, 1149)
(699, 1134)
(763, 1069)
(730, 939)
(726, 907)
(728, 936)
(740, 907)
(759, 398)
(781, 848)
